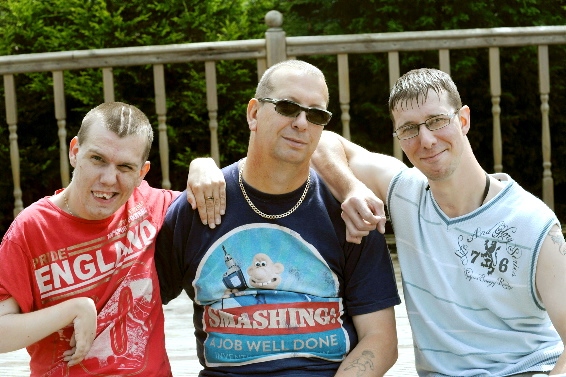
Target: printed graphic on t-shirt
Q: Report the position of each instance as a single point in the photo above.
(123, 328)
(490, 256)
(268, 294)
(117, 269)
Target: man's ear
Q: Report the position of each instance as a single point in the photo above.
(143, 172)
(253, 108)
(73, 151)
(464, 116)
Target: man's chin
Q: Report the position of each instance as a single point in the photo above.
(102, 213)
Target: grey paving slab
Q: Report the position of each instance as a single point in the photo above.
(405, 365)
(181, 346)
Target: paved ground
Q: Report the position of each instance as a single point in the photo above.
(182, 350)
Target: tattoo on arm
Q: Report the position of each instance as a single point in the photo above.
(558, 238)
(362, 364)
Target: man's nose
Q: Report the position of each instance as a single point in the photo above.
(109, 175)
(301, 121)
(426, 136)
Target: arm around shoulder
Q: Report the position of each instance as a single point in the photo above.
(375, 170)
(206, 190)
(341, 162)
(358, 178)
(331, 163)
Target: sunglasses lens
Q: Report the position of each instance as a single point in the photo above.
(318, 117)
(292, 109)
(287, 108)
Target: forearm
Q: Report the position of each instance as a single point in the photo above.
(331, 163)
(376, 351)
(346, 167)
(336, 161)
(373, 356)
(19, 330)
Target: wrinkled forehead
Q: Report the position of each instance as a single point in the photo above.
(293, 83)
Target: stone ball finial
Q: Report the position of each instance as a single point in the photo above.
(274, 19)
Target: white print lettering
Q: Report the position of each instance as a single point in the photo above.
(123, 227)
(280, 318)
(312, 343)
(68, 271)
(490, 255)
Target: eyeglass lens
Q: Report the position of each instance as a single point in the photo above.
(432, 124)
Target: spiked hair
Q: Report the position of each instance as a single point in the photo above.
(415, 86)
(120, 118)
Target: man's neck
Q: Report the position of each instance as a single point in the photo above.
(460, 196)
(275, 179)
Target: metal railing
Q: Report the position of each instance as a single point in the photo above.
(273, 48)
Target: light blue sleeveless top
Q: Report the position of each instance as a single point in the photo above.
(469, 282)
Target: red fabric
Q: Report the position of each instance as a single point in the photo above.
(48, 256)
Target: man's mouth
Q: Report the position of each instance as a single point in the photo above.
(433, 156)
(296, 142)
(103, 195)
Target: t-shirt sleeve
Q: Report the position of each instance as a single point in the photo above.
(369, 276)
(15, 275)
(158, 200)
(4, 294)
(170, 247)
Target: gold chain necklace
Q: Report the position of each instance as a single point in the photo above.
(67, 203)
(264, 215)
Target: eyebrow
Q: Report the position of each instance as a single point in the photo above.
(98, 152)
(427, 118)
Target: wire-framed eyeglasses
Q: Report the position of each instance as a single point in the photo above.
(408, 131)
(292, 109)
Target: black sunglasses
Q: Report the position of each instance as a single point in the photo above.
(292, 109)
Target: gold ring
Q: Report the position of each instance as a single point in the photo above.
(209, 197)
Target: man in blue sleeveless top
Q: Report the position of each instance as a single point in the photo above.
(483, 261)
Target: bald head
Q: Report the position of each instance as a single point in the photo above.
(266, 85)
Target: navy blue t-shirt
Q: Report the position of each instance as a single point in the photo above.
(274, 297)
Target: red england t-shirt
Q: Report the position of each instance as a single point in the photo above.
(48, 256)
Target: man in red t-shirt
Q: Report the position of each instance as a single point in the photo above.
(78, 286)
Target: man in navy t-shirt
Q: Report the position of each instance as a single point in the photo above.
(277, 290)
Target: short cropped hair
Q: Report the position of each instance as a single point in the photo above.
(416, 84)
(120, 118)
(265, 87)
